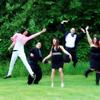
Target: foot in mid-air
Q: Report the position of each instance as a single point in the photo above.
(6, 77)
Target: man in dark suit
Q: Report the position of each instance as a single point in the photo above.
(71, 40)
(35, 56)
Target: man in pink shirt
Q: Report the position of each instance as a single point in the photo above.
(18, 42)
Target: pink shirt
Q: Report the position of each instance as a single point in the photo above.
(20, 37)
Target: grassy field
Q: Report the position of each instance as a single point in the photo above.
(77, 87)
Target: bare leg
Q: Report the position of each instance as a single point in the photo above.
(61, 76)
(52, 77)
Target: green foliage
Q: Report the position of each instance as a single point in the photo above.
(35, 14)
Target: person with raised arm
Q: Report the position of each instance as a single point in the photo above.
(18, 42)
(71, 39)
(94, 55)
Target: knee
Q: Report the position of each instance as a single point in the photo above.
(53, 71)
(60, 70)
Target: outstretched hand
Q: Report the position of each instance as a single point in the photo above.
(87, 27)
(44, 30)
(9, 49)
(65, 21)
(32, 55)
(82, 30)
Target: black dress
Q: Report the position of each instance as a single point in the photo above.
(95, 58)
(57, 58)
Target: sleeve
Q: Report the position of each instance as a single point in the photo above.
(80, 36)
(13, 38)
(40, 56)
(32, 50)
(40, 59)
(62, 28)
(29, 37)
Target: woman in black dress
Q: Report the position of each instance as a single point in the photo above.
(94, 56)
(57, 60)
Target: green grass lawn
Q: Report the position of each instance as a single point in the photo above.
(77, 87)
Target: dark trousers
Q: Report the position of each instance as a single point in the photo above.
(72, 51)
(88, 71)
(97, 78)
(37, 70)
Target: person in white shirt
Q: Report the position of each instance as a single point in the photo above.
(71, 40)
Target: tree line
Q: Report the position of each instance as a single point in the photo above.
(35, 14)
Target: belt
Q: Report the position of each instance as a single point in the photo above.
(15, 50)
(56, 53)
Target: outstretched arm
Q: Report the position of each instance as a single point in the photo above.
(63, 30)
(83, 30)
(66, 52)
(62, 25)
(64, 21)
(88, 36)
(11, 46)
(81, 35)
(47, 57)
(37, 34)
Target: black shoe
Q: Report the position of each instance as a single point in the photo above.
(74, 65)
(36, 83)
(97, 82)
(7, 77)
(88, 72)
(97, 78)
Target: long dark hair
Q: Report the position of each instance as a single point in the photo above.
(23, 30)
(57, 43)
